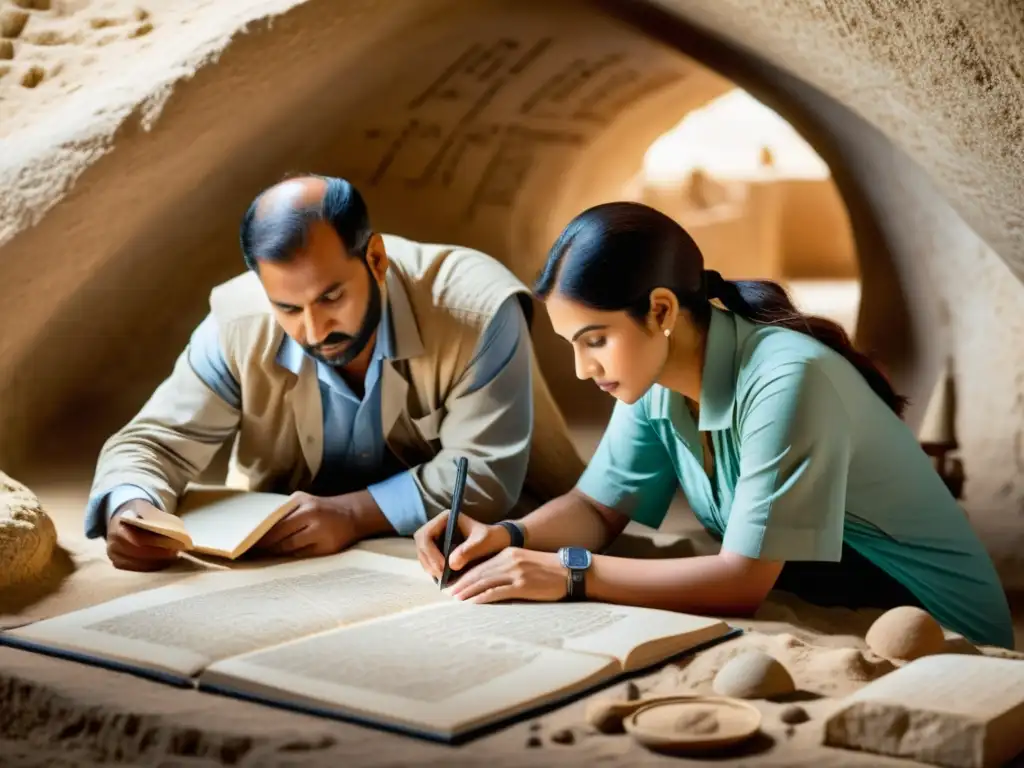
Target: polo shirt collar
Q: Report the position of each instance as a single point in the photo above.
(718, 383)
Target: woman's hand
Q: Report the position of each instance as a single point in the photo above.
(514, 574)
(480, 540)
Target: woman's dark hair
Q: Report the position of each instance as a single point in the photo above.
(275, 235)
(611, 256)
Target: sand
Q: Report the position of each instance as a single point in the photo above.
(75, 715)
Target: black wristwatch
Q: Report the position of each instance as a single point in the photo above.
(577, 560)
(518, 537)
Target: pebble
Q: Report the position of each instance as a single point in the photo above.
(753, 675)
(563, 736)
(607, 715)
(794, 715)
(534, 741)
(905, 633)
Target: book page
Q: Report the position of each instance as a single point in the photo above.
(227, 522)
(634, 636)
(182, 627)
(429, 669)
(638, 637)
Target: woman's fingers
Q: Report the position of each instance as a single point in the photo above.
(429, 555)
(498, 594)
(478, 544)
(467, 590)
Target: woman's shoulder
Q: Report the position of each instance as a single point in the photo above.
(769, 349)
(784, 358)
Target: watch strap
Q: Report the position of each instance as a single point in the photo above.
(518, 538)
(577, 584)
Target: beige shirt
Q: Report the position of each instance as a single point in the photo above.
(441, 299)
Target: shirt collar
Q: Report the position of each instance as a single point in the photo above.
(718, 382)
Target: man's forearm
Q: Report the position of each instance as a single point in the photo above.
(367, 516)
(569, 520)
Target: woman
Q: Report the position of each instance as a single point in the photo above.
(787, 442)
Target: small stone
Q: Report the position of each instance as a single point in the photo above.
(753, 675)
(534, 741)
(535, 726)
(606, 715)
(632, 691)
(793, 715)
(563, 736)
(905, 633)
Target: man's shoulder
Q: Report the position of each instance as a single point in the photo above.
(240, 297)
(244, 319)
(453, 277)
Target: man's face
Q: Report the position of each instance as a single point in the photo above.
(326, 300)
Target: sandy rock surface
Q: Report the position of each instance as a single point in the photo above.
(27, 535)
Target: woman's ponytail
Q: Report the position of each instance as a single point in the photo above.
(765, 302)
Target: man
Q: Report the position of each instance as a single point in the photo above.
(351, 368)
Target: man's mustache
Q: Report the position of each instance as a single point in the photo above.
(334, 338)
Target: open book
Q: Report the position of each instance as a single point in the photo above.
(217, 521)
(368, 637)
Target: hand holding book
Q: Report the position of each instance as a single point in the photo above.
(133, 548)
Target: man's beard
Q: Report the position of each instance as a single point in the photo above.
(357, 343)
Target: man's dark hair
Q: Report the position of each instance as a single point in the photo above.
(280, 230)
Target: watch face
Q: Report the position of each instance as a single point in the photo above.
(576, 557)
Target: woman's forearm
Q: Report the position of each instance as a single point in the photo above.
(568, 520)
(710, 584)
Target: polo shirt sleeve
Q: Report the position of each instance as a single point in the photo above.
(790, 499)
(631, 471)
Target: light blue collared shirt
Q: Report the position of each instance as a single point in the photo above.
(355, 453)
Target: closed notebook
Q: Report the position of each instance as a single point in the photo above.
(224, 522)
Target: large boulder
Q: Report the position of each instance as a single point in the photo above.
(27, 534)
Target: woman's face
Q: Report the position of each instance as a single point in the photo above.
(622, 356)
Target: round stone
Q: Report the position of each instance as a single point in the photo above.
(905, 633)
(27, 535)
(794, 715)
(753, 675)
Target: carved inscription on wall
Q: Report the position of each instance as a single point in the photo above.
(497, 108)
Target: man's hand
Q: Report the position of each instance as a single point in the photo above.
(322, 525)
(481, 540)
(133, 549)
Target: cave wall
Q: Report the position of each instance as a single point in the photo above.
(490, 126)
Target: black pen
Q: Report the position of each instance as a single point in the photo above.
(461, 468)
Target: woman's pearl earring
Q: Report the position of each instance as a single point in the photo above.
(668, 332)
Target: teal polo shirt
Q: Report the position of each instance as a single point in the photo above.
(806, 457)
